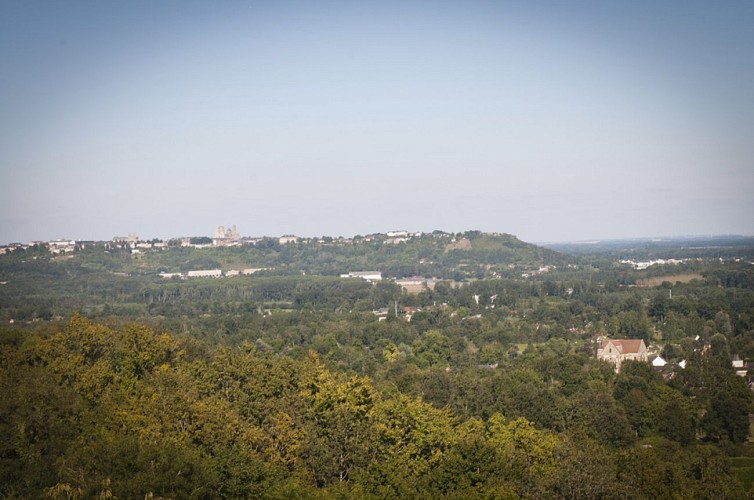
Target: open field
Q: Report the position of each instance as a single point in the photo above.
(675, 278)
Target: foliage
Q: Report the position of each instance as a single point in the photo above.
(92, 410)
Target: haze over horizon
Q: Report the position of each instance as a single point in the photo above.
(552, 121)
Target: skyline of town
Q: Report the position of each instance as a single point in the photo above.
(233, 235)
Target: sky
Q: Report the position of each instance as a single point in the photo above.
(549, 120)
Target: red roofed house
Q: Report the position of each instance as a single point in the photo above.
(617, 351)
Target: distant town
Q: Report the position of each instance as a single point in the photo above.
(222, 238)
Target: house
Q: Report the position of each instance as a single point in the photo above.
(381, 313)
(616, 351)
(739, 366)
(408, 312)
(659, 363)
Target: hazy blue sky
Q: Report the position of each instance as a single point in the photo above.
(551, 120)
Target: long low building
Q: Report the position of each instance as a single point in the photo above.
(206, 273)
(366, 275)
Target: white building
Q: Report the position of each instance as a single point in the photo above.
(739, 366)
(366, 275)
(61, 246)
(659, 362)
(398, 234)
(287, 238)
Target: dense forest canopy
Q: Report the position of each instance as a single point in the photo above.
(295, 382)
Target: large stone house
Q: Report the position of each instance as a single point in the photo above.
(616, 351)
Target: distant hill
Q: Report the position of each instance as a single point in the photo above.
(672, 247)
(467, 255)
(471, 254)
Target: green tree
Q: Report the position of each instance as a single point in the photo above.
(338, 442)
(727, 416)
(432, 349)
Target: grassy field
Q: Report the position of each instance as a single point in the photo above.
(743, 469)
